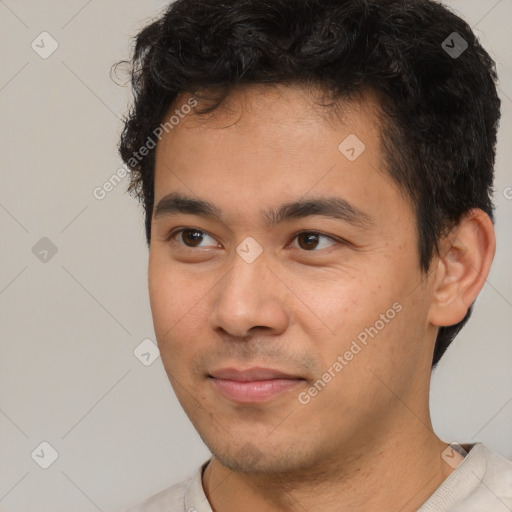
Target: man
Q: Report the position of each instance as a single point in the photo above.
(316, 177)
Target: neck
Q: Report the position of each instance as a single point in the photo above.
(396, 470)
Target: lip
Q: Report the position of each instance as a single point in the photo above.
(251, 374)
(253, 385)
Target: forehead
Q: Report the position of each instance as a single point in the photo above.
(287, 122)
(286, 103)
(270, 144)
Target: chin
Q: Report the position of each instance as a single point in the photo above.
(249, 458)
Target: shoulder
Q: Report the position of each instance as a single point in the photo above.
(481, 483)
(498, 474)
(170, 499)
(177, 497)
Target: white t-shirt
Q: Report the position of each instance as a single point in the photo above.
(481, 483)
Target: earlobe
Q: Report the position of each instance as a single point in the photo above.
(465, 259)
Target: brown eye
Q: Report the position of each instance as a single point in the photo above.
(190, 237)
(310, 240)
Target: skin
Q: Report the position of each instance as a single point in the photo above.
(365, 442)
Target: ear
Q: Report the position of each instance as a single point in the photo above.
(466, 254)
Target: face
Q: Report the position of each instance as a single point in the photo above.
(290, 334)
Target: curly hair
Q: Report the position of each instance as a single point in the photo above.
(440, 110)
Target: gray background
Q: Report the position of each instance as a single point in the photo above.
(70, 324)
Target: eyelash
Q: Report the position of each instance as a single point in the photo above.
(176, 232)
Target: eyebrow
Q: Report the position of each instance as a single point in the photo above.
(331, 207)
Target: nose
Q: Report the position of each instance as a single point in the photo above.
(250, 297)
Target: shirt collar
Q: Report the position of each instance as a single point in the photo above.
(195, 497)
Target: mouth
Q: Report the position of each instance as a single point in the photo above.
(253, 385)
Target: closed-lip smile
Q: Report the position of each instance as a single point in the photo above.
(253, 385)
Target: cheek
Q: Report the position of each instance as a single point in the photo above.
(390, 351)
(339, 303)
(360, 315)
(177, 302)
(165, 295)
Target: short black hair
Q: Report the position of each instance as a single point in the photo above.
(435, 83)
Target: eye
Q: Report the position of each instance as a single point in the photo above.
(309, 240)
(190, 237)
